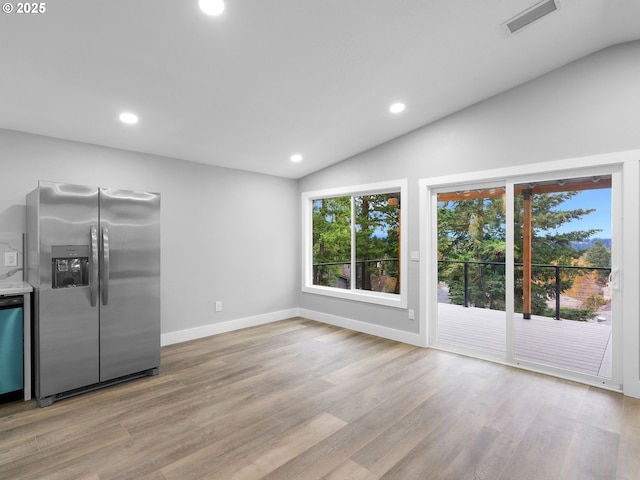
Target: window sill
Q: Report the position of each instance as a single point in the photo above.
(365, 296)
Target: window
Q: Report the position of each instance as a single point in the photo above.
(353, 243)
(331, 231)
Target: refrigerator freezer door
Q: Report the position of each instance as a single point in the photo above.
(130, 282)
(67, 326)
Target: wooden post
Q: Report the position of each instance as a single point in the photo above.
(527, 233)
(399, 248)
(395, 202)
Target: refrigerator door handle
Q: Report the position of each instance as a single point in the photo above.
(105, 265)
(94, 266)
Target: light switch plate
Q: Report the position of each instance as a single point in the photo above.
(10, 259)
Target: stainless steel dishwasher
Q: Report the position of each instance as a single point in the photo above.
(11, 348)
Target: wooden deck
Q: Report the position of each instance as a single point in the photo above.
(577, 346)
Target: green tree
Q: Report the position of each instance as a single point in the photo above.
(548, 247)
(474, 231)
(377, 238)
(331, 239)
(598, 256)
(377, 226)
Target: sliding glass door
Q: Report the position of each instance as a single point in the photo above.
(471, 269)
(563, 285)
(526, 271)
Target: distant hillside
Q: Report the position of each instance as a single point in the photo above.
(584, 244)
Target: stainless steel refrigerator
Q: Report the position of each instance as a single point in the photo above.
(93, 257)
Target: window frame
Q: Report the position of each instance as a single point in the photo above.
(367, 296)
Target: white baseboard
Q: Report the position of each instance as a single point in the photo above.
(231, 325)
(363, 327)
(223, 327)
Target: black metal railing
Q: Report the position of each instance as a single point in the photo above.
(367, 276)
(557, 276)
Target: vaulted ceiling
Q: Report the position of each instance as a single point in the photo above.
(270, 78)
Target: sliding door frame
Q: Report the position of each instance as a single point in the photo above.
(615, 171)
(625, 170)
(432, 255)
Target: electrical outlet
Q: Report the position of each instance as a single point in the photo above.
(10, 259)
(412, 314)
(219, 306)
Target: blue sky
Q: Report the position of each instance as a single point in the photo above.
(600, 219)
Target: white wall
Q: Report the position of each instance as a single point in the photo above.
(588, 107)
(244, 228)
(227, 235)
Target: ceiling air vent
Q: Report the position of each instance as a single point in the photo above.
(530, 15)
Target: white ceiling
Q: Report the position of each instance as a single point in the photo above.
(270, 78)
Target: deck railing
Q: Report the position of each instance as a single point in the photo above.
(368, 277)
(557, 275)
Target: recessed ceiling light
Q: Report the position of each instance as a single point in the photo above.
(296, 157)
(211, 7)
(128, 117)
(397, 108)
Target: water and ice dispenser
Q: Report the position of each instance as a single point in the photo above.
(70, 266)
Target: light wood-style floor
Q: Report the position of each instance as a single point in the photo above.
(302, 400)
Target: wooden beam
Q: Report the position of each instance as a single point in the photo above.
(527, 234)
(556, 187)
(471, 194)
